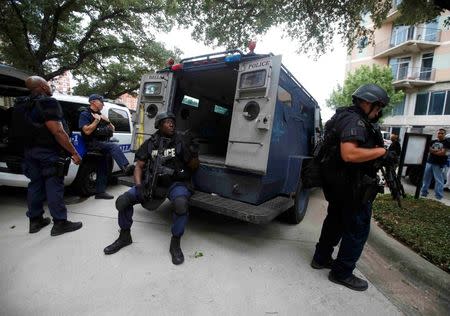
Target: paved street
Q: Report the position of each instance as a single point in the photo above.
(245, 269)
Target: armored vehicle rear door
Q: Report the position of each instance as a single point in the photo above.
(253, 114)
(155, 95)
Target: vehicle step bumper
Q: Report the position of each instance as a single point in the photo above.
(258, 214)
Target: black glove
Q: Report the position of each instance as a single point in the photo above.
(389, 159)
(165, 171)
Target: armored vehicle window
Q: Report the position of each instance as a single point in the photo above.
(152, 88)
(284, 96)
(119, 118)
(253, 79)
(187, 100)
(221, 110)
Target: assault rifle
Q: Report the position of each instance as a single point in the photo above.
(153, 171)
(393, 182)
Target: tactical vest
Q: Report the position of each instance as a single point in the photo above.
(28, 122)
(101, 133)
(171, 157)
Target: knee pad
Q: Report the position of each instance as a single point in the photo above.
(122, 202)
(180, 205)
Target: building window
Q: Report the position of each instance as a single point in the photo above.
(421, 104)
(426, 67)
(399, 108)
(430, 32)
(401, 33)
(399, 67)
(434, 103)
(447, 104)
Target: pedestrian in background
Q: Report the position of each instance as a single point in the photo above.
(395, 145)
(437, 160)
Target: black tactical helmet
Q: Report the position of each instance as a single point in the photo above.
(162, 116)
(371, 93)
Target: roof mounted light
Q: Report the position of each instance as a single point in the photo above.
(177, 67)
(233, 58)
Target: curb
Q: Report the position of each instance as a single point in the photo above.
(409, 262)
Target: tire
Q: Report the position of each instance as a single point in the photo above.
(84, 183)
(295, 214)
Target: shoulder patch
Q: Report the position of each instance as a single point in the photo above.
(361, 123)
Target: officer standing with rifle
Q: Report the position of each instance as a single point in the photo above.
(350, 183)
(164, 164)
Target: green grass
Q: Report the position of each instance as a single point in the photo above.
(423, 225)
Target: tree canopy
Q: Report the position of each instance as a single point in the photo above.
(109, 44)
(382, 76)
(311, 24)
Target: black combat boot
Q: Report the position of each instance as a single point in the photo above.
(37, 223)
(317, 265)
(123, 240)
(64, 226)
(352, 282)
(175, 251)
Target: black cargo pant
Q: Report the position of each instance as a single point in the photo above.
(351, 227)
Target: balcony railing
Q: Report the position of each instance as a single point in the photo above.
(413, 75)
(408, 34)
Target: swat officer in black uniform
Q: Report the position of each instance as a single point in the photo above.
(164, 164)
(350, 183)
(43, 160)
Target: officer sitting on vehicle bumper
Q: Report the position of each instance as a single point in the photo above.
(350, 183)
(164, 165)
(97, 129)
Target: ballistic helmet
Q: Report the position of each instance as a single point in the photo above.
(371, 93)
(162, 116)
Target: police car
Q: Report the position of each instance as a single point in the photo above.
(82, 178)
(255, 124)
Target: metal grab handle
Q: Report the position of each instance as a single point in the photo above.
(242, 142)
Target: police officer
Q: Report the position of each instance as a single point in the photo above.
(97, 129)
(167, 156)
(349, 176)
(42, 160)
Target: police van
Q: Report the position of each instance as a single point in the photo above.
(82, 178)
(254, 122)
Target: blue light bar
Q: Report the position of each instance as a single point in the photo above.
(233, 58)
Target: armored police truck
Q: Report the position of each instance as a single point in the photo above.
(255, 125)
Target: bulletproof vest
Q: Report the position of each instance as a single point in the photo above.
(28, 122)
(47, 106)
(101, 133)
(170, 157)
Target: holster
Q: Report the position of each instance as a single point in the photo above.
(62, 166)
(370, 187)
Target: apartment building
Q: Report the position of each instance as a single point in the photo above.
(419, 57)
